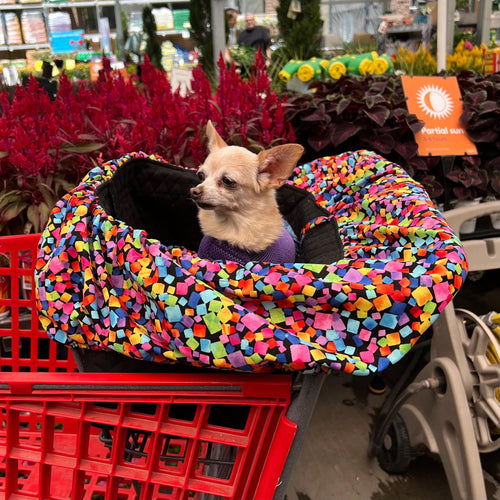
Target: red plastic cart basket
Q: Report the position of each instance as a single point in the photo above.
(69, 435)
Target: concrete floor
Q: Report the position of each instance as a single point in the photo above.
(333, 463)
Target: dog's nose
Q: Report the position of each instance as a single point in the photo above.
(196, 192)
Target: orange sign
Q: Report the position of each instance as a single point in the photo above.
(437, 102)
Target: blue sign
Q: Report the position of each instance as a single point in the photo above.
(67, 41)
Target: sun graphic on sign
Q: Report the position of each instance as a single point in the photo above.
(435, 102)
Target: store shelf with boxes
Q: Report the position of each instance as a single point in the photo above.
(22, 26)
(78, 26)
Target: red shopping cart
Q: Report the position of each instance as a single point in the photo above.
(65, 434)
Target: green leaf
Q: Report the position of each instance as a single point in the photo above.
(237, 140)
(48, 194)
(254, 146)
(374, 100)
(82, 147)
(4, 154)
(87, 138)
(33, 217)
(64, 185)
(10, 197)
(37, 217)
(488, 107)
(43, 216)
(213, 103)
(28, 228)
(343, 105)
(378, 114)
(475, 98)
(12, 210)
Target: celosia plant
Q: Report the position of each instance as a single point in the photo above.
(47, 146)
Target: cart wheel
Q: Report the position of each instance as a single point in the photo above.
(395, 456)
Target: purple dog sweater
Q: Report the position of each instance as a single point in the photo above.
(280, 252)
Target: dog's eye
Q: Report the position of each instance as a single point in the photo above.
(201, 176)
(228, 182)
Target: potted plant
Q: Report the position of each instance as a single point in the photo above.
(338, 114)
(47, 146)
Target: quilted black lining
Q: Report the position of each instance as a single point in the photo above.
(154, 196)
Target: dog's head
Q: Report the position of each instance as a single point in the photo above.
(233, 178)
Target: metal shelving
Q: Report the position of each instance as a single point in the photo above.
(45, 6)
(21, 6)
(24, 46)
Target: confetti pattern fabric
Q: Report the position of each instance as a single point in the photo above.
(102, 284)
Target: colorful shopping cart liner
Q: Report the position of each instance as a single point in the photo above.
(103, 284)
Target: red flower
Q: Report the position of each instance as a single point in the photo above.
(47, 146)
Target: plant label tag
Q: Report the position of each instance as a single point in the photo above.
(437, 102)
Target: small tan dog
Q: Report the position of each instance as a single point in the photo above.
(239, 215)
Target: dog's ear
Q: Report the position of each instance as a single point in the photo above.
(215, 141)
(276, 164)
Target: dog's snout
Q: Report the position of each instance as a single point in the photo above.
(196, 192)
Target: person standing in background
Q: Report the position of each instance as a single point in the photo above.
(255, 36)
(231, 39)
(232, 17)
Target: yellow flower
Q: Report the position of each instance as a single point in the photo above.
(420, 62)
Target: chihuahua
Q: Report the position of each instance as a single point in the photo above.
(236, 197)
